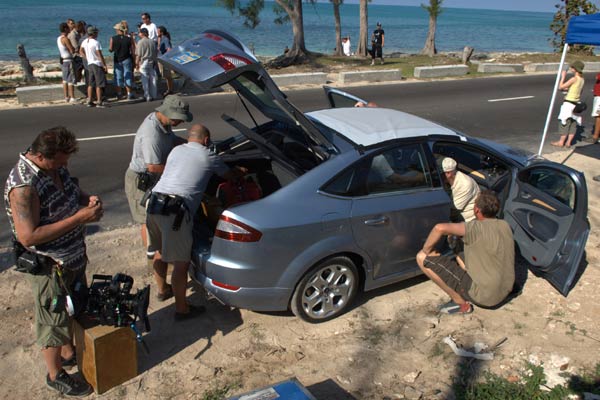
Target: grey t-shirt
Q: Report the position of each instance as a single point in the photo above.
(153, 143)
(146, 50)
(188, 170)
(489, 260)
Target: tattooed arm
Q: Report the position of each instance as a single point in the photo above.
(25, 207)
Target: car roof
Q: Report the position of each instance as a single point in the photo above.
(367, 126)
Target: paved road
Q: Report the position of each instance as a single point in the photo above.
(511, 110)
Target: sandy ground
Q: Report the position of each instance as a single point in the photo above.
(390, 345)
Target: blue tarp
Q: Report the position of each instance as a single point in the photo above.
(584, 29)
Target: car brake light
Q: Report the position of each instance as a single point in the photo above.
(230, 61)
(225, 286)
(236, 231)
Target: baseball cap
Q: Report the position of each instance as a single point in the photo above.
(144, 31)
(378, 23)
(174, 107)
(92, 30)
(448, 164)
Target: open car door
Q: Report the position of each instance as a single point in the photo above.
(339, 99)
(547, 210)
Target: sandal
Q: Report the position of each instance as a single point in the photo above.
(168, 293)
(556, 145)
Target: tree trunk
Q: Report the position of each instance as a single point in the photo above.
(298, 53)
(338, 29)
(25, 65)
(429, 49)
(362, 48)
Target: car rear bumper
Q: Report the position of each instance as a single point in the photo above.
(257, 299)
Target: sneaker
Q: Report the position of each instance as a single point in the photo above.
(69, 362)
(101, 104)
(67, 99)
(65, 384)
(382, 61)
(166, 295)
(73, 100)
(372, 62)
(193, 312)
(454, 308)
(90, 104)
(148, 99)
(131, 96)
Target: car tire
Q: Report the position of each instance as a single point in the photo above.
(326, 290)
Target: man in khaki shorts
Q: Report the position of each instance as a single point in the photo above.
(172, 206)
(153, 142)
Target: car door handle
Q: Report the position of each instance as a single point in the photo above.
(525, 195)
(377, 221)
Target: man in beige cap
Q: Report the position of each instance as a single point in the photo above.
(464, 191)
(153, 142)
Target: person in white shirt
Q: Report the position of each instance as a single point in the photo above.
(91, 50)
(150, 26)
(464, 191)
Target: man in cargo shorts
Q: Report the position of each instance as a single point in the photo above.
(172, 207)
(153, 142)
(485, 275)
(48, 212)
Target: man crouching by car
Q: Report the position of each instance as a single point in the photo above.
(485, 274)
(172, 206)
(47, 212)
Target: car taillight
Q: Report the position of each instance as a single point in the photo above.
(236, 231)
(230, 61)
(225, 286)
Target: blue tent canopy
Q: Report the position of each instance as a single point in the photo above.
(584, 29)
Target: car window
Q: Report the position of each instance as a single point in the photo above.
(397, 169)
(257, 91)
(551, 182)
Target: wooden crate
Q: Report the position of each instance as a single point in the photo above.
(106, 356)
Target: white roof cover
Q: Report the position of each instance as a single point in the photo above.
(366, 126)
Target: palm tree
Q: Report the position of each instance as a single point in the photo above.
(434, 9)
(338, 27)
(361, 48)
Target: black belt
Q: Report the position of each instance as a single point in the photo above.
(167, 204)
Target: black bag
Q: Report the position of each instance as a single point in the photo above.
(27, 261)
(146, 180)
(580, 107)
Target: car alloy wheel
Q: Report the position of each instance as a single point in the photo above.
(326, 290)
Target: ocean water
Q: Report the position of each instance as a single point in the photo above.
(35, 24)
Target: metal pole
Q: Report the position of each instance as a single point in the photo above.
(562, 61)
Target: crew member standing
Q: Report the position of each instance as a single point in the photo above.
(47, 212)
(91, 50)
(153, 142)
(377, 41)
(66, 51)
(172, 206)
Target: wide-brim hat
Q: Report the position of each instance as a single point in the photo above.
(92, 30)
(577, 66)
(119, 26)
(174, 107)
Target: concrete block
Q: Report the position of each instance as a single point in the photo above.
(441, 70)
(36, 94)
(493, 68)
(315, 78)
(591, 66)
(543, 67)
(370, 76)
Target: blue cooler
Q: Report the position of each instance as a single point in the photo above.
(286, 390)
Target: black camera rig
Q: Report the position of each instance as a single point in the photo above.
(110, 302)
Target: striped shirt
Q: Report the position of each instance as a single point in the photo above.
(55, 205)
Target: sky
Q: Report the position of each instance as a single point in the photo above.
(517, 5)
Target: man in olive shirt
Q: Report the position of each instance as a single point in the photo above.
(485, 275)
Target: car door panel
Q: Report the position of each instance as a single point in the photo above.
(547, 210)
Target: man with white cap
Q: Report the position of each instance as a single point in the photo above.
(464, 191)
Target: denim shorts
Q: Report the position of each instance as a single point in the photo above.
(124, 73)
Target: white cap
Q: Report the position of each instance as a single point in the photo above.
(448, 164)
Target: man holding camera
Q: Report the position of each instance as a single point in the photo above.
(47, 212)
(153, 142)
(172, 207)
